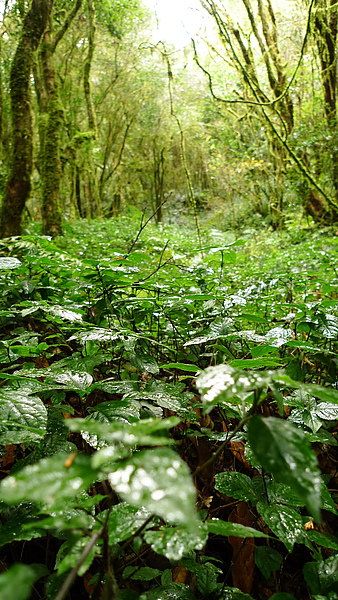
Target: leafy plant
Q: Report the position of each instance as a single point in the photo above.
(155, 410)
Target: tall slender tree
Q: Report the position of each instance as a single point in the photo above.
(19, 181)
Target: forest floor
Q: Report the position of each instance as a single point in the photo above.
(106, 335)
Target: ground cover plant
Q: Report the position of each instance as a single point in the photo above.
(168, 414)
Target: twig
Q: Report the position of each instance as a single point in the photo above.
(144, 225)
(72, 575)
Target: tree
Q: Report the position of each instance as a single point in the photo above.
(19, 181)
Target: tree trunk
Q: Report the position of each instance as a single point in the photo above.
(19, 180)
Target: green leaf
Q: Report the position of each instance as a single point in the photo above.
(206, 574)
(123, 521)
(19, 523)
(322, 539)
(160, 481)
(223, 382)
(322, 576)
(284, 522)
(267, 560)
(9, 262)
(236, 485)
(131, 434)
(69, 554)
(227, 529)
(282, 596)
(144, 362)
(285, 452)
(230, 593)
(22, 418)
(175, 542)
(143, 574)
(327, 411)
(251, 363)
(17, 582)
(171, 591)
(49, 481)
(181, 367)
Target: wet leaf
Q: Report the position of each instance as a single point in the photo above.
(227, 529)
(23, 418)
(285, 452)
(284, 522)
(175, 542)
(236, 485)
(322, 576)
(160, 481)
(123, 521)
(17, 582)
(223, 382)
(267, 560)
(171, 591)
(9, 262)
(229, 593)
(48, 481)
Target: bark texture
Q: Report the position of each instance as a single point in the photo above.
(19, 181)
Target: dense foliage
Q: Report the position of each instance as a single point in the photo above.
(168, 414)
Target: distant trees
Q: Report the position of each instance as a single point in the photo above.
(102, 118)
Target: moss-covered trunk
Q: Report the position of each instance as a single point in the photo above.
(50, 123)
(19, 180)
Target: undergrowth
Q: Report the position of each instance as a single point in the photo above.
(168, 414)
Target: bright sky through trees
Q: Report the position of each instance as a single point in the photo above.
(178, 20)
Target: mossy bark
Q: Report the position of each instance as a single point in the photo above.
(19, 181)
(51, 118)
(50, 144)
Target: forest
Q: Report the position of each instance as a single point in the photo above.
(169, 302)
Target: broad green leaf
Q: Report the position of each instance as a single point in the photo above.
(285, 452)
(278, 336)
(144, 362)
(127, 409)
(146, 432)
(59, 379)
(143, 574)
(22, 418)
(236, 485)
(63, 520)
(282, 596)
(223, 382)
(322, 576)
(327, 411)
(49, 481)
(9, 262)
(322, 539)
(97, 334)
(230, 593)
(170, 591)
(284, 522)
(254, 363)
(160, 481)
(123, 521)
(267, 560)
(181, 367)
(206, 573)
(69, 554)
(227, 529)
(19, 523)
(175, 542)
(17, 582)
(64, 313)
